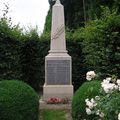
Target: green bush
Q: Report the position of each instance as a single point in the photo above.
(18, 101)
(101, 44)
(87, 90)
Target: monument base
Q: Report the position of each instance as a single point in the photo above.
(58, 91)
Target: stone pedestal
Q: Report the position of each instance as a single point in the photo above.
(58, 91)
(58, 64)
(58, 76)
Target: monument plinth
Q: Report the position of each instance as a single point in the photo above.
(58, 68)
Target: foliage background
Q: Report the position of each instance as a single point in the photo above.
(23, 57)
(93, 41)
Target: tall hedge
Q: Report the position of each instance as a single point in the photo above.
(23, 56)
(79, 68)
(32, 54)
(9, 50)
(101, 44)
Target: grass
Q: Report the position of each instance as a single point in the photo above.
(49, 114)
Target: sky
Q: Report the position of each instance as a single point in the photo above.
(28, 13)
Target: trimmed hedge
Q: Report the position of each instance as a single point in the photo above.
(87, 90)
(26, 62)
(18, 101)
(10, 42)
(32, 57)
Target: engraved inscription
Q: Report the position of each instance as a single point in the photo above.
(58, 72)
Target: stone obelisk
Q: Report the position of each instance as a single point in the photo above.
(58, 65)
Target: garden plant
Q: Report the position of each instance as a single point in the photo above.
(106, 106)
(87, 90)
(18, 101)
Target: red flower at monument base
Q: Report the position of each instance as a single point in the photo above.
(57, 101)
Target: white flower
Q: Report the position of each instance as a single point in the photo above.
(88, 111)
(86, 100)
(101, 114)
(108, 79)
(97, 112)
(88, 78)
(89, 104)
(90, 75)
(97, 98)
(107, 86)
(92, 100)
(116, 87)
(119, 116)
(118, 82)
(92, 103)
(119, 88)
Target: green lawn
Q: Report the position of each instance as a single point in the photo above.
(49, 114)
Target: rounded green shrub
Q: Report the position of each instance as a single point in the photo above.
(18, 101)
(87, 90)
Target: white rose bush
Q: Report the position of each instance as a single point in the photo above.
(119, 116)
(106, 106)
(90, 75)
